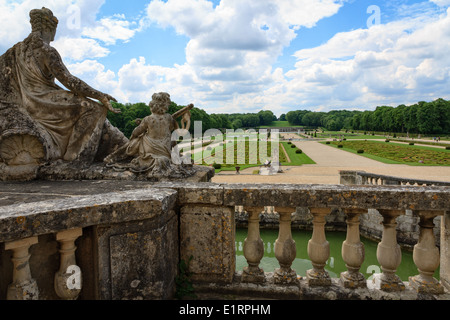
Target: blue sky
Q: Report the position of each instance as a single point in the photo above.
(245, 55)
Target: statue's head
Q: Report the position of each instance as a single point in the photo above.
(43, 20)
(160, 103)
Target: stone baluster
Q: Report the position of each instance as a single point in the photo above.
(23, 287)
(285, 249)
(318, 249)
(426, 256)
(68, 279)
(353, 251)
(253, 248)
(389, 254)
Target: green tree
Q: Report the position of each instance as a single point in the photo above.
(265, 117)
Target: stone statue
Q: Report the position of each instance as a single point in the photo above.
(40, 122)
(150, 147)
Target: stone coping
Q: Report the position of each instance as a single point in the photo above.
(66, 208)
(312, 195)
(42, 207)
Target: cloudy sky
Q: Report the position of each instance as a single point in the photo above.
(248, 55)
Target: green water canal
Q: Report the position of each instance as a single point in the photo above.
(335, 264)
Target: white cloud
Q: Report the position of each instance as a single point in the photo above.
(78, 32)
(111, 29)
(307, 13)
(441, 3)
(15, 15)
(399, 62)
(96, 76)
(78, 49)
(233, 46)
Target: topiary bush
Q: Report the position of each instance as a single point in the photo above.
(340, 146)
(298, 151)
(217, 165)
(411, 143)
(360, 151)
(293, 147)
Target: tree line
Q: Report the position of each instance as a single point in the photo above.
(422, 117)
(126, 120)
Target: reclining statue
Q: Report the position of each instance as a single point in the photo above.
(40, 122)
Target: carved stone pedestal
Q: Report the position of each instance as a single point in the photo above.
(353, 280)
(318, 277)
(426, 285)
(388, 282)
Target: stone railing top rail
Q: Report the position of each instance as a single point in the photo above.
(62, 212)
(308, 195)
(399, 179)
(67, 205)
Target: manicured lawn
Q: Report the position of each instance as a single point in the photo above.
(281, 124)
(296, 158)
(348, 135)
(396, 153)
(244, 155)
(249, 155)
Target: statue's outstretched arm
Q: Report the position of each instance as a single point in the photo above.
(74, 84)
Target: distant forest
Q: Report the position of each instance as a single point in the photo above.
(422, 117)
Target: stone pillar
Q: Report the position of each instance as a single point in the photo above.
(426, 256)
(318, 249)
(445, 250)
(353, 251)
(68, 280)
(23, 287)
(389, 254)
(350, 177)
(207, 233)
(285, 249)
(253, 248)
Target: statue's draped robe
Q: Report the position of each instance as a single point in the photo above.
(150, 153)
(74, 123)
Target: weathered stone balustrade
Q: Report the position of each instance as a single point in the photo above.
(87, 240)
(128, 242)
(362, 178)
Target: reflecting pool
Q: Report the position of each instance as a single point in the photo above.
(335, 264)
